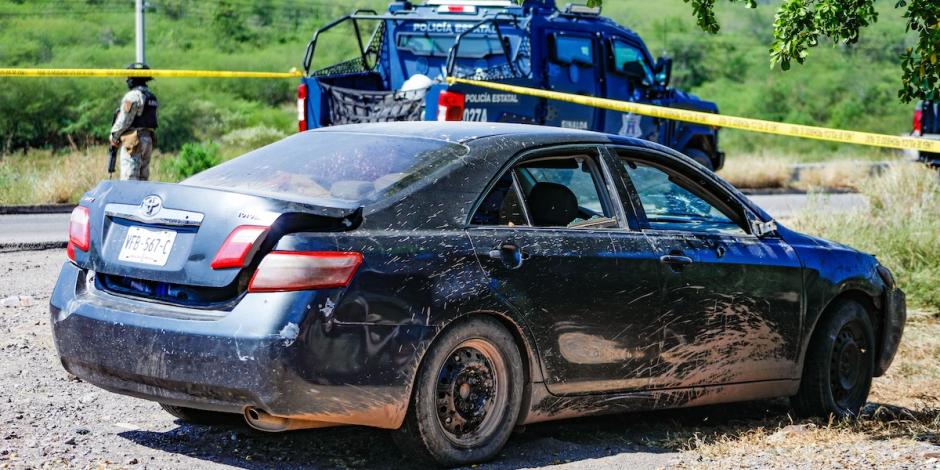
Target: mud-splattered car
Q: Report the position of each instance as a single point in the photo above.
(452, 281)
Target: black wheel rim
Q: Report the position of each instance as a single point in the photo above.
(470, 395)
(847, 370)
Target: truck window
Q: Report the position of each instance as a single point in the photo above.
(630, 58)
(572, 50)
(439, 46)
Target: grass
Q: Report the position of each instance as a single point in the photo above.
(48, 177)
(45, 177)
(759, 170)
(775, 170)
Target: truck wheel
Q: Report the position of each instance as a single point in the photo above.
(466, 396)
(701, 157)
(839, 364)
(194, 416)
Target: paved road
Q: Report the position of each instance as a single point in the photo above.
(47, 230)
(33, 231)
(782, 206)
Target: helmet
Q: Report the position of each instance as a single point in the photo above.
(136, 81)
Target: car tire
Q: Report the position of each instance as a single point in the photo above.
(701, 157)
(466, 397)
(194, 416)
(839, 364)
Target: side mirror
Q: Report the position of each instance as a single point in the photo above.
(663, 71)
(759, 228)
(635, 72)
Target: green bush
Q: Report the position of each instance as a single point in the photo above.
(192, 159)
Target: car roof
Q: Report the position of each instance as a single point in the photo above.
(465, 132)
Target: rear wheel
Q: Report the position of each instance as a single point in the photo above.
(194, 416)
(701, 157)
(839, 364)
(467, 395)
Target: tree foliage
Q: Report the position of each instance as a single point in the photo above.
(800, 24)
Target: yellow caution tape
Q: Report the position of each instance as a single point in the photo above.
(695, 117)
(143, 73)
(719, 120)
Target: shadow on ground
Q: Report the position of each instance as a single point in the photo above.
(640, 440)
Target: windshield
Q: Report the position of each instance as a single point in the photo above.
(339, 166)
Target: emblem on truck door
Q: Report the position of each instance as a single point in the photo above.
(151, 205)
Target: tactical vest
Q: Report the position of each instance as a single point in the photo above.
(147, 119)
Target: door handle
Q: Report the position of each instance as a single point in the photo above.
(509, 254)
(676, 261)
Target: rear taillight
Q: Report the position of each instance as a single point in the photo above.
(918, 122)
(79, 231)
(302, 107)
(238, 246)
(304, 270)
(450, 105)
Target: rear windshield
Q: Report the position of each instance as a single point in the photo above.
(470, 47)
(339, 166)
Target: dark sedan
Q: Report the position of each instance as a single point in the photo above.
(452, 281)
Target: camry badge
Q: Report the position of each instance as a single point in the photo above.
(151, 205)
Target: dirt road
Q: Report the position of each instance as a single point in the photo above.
(50, 420)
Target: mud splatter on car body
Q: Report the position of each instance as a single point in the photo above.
(610, 318)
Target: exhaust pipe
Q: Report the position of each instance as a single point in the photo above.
(263, 421)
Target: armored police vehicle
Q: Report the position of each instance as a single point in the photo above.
(399, 70)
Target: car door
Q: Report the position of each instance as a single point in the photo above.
(629, 77)
(554, 245)
(570, 68)
(731, 300)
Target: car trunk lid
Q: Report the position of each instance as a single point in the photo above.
(170, 233)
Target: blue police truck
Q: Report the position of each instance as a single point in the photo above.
(403, 57)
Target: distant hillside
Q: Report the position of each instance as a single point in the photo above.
(852, 88)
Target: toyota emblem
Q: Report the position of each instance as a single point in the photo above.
(151, 205)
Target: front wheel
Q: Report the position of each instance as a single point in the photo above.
(467, 395)
(839, 364)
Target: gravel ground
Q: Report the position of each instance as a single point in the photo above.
(52, 420)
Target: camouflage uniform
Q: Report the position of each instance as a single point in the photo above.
(137, 116)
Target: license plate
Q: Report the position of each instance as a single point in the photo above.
(147, 246)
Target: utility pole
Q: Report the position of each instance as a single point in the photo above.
(139, 23)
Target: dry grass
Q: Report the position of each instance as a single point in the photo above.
(773, 171)
(837, 174)
(42, 177)
(758, 171)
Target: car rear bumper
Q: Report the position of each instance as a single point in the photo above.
(278, 352)
(895, 315)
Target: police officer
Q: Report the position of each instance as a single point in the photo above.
(133, 129)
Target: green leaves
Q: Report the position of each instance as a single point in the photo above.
(799, 25)
(921, 69)
(704, 11)
(192, 159)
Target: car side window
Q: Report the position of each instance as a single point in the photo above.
(630, 60)
(670, 203)
(564, 192)
(501, 206)
(572, 50)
